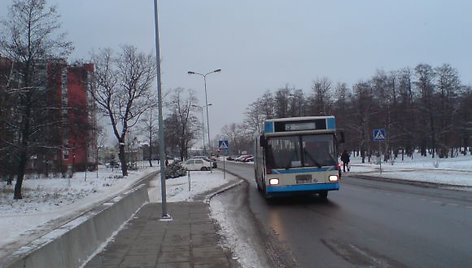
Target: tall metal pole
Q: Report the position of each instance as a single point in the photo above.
(162, 155)
(208, 118)
(203, 131)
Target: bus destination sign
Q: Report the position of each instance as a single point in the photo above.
(300, 126)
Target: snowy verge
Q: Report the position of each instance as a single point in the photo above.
(451, 171)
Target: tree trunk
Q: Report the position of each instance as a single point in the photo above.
(25, 132)
(20, 176)
(122, 156)
(150, 156)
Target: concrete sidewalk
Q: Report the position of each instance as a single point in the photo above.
(189, 240)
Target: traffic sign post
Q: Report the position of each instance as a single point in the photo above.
(224, 144)
(379, 135)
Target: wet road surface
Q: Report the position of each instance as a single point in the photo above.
(365, 224)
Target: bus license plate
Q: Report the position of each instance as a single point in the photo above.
(303, 179)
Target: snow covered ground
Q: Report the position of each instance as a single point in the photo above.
(455, 171)
(47, 199)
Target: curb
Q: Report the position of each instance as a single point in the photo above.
(208, 198)
(219, 191)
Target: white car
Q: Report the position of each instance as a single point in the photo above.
(197, 164)
(213, 162)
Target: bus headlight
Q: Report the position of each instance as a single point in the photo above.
(333, 178)
(274, 181)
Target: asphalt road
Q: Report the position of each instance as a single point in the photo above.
(367, 223)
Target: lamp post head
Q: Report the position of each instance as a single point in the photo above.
(217, 71)
(190, 72)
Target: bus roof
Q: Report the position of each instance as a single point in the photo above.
(298, 124)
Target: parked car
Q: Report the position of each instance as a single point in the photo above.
(243, 158)
(213, 162)
(197, 164)
(248, 159)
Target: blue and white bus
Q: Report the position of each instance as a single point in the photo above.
(297, 155)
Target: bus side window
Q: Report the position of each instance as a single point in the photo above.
(270, 157)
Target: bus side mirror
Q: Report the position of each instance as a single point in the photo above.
(340, 136)
(262, 141)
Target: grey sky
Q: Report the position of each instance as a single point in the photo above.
(266, 44)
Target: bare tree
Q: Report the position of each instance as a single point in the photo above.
(149, 127)
(122, 90)
(30, 39)
(448, 86)
(465, 118)
(363, 105)
(425, 85)
(296, 103)
(181, 125)
(7, 131)
(406, 124)
(343, 110)
(258, 111)
(238, 137)
(281, 102)
(321, 100)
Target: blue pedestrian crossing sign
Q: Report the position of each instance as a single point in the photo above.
(223, 144)
(379, 134)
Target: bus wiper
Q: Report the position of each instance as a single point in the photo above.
(316, 162)
(312, 159)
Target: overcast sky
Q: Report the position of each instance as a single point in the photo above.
(266, 44)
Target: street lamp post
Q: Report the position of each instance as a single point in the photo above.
(206, 101)
(162, 156)
(203, 125)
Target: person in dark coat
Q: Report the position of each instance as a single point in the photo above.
(345, 158)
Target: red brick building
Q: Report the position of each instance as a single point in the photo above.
(70, 85)
(68, 143)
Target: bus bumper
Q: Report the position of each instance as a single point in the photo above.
(303, 188)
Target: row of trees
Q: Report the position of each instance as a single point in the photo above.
(425, 108)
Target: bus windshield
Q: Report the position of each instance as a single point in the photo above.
(301, 151)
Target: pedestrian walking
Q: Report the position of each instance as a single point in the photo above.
(345, 158)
